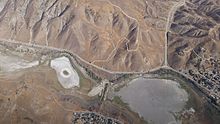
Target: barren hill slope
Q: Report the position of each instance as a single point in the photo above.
(119, 35)
(194, 36)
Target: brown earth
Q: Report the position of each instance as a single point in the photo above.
(25, 98)
(34, 95)
(119, 35)
(194, 36)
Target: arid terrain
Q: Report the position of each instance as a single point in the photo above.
(194, 43)
(194, 33)
(33, 95)
(118, 35)
(73, 61)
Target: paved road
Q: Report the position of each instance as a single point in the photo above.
(73, 55)
(111, 72)
(100, 68)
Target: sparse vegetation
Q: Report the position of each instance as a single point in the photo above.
(118, 100)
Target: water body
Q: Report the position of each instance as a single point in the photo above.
(155, 99)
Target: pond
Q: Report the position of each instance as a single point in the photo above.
(155, 99)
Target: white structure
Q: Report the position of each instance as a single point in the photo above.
(98, 89)
(67, 76)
